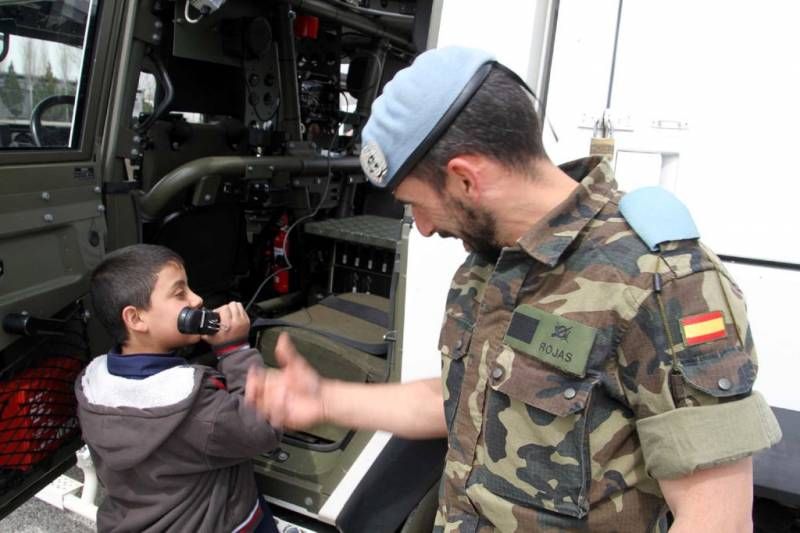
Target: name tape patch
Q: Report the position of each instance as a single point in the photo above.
(554, 340)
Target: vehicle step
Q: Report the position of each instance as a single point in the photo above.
(54, 492)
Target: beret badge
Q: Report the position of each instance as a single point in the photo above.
(373, 162)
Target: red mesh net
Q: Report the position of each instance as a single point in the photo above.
(38, 412)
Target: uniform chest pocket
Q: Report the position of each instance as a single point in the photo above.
(536, 431)
(454, 344)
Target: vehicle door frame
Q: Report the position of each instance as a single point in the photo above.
(73, 178)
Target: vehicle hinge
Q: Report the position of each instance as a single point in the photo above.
(129, 144)
(149, 28)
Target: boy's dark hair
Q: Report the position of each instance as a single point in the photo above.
(499, 122)
(127, 277)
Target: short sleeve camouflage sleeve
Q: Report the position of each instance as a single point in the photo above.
(687, 364)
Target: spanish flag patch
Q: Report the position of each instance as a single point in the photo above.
(706, 327)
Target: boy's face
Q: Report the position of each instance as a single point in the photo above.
(170, 294)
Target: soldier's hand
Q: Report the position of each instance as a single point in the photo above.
(290, 397)
(234, 324)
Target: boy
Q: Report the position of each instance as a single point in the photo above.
(171, 441)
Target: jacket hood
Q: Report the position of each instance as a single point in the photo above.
(135, 415)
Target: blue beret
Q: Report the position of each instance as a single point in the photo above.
(416, 107)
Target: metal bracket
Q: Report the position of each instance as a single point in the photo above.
(129, 144)
(205, 192)
(149, 28)
(302, 149)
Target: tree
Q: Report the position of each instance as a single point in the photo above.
(31, 58)
(68, 62)
(12, 94)
(45, 86)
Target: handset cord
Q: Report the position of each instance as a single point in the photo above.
(289, 265)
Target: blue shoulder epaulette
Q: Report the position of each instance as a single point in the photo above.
(657, 216)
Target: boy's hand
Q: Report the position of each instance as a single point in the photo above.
(234, 324)
(289, 398)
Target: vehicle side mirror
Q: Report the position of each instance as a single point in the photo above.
(7, 27)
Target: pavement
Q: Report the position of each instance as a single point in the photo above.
(36, 516)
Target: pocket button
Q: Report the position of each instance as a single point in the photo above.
(724, 384)
(569, 393)
(497, 372)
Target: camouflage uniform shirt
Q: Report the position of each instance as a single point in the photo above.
(581, 367)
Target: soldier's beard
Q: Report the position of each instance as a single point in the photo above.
(478, 230)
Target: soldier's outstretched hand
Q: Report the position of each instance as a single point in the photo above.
(290, 397)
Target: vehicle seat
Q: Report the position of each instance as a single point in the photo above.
(358, 317)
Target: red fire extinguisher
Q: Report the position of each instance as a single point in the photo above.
(280, 252)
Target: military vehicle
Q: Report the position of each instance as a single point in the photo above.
(229, 132)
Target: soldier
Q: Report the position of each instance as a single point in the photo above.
(597, 364)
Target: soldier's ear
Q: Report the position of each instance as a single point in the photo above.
(463, 177)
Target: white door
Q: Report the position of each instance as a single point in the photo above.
(703, 99)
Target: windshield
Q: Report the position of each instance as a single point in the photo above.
(45, 48)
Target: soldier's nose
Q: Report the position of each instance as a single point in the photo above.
(425, 230)
(423, 226)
